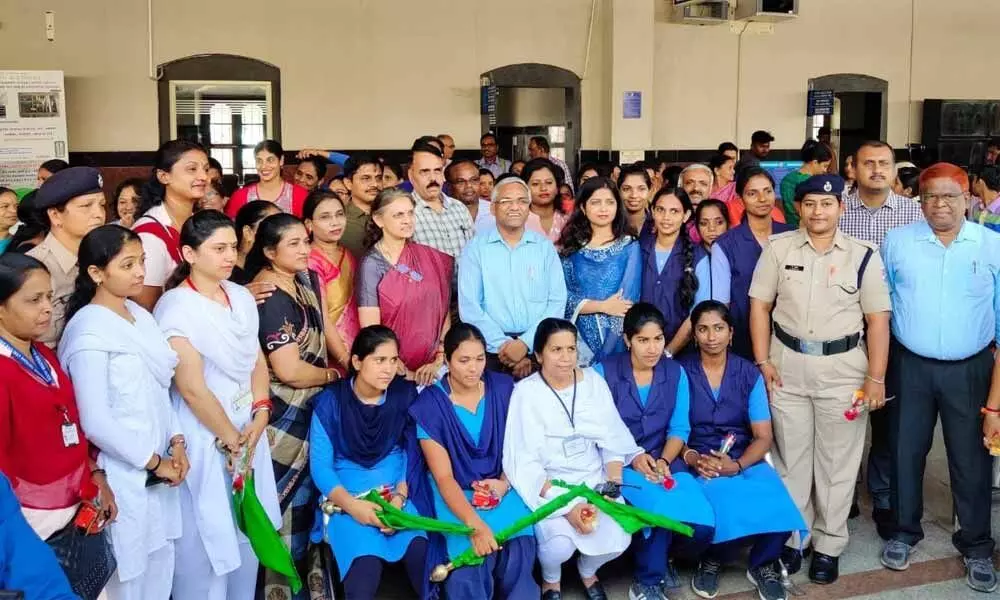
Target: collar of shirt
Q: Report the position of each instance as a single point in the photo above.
(64, 258)
(970, 232)
(839, 239)
(527, 237)
(853, 201)
(490, 161)
(159, 213)
(352, 210)
(446, 201)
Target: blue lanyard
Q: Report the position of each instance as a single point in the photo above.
(36, 365)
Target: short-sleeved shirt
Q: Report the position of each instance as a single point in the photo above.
(159, 264)
(63, 268)
(373, 268)
(871, 225)
(355, 229)
(447, 229)
(816, 295)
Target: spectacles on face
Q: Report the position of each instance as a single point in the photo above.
(508, 202)
(464, 182)
(941, 198)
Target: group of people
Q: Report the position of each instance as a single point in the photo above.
(685, 340)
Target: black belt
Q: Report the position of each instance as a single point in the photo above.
(844, 344)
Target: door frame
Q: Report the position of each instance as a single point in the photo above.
(852, 82)
(537, 75)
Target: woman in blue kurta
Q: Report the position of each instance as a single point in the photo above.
(675, 271)
(752, 506)
(602, 265)
(651, 393)
(735, 253)
(359, 432)
(460, 424)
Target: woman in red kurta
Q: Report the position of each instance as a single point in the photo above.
(43, 450)
(269, 159)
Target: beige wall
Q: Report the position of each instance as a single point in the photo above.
(376, 73)
(355, 73)
(696, 67)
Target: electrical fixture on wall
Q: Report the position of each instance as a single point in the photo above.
(50, 25)
(700, 12)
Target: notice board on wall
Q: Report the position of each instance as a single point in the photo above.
(32, 124)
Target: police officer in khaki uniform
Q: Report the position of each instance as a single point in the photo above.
(71, 203)
(824, 287)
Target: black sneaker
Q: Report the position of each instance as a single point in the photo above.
(792, 559)
(767, 581)
(705, 582)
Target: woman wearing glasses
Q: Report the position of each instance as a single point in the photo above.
(405, 286)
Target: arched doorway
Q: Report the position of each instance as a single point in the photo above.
(534, 99)
(860, 112)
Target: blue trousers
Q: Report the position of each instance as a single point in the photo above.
(651, 552)
(764, 548)
(503, 575)
(361, 581)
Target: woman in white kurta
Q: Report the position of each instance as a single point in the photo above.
(121, 365)
(212, 325)
(562, 424)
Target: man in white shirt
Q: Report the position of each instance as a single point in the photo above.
(463, 181)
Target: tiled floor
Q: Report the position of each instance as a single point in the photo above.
(936, 572)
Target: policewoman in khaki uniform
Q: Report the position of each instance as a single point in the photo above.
(830, 303)
(71, 203)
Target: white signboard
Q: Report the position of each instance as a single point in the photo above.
(32, 124)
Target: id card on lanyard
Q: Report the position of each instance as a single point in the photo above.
(69, 430)
(575, 445)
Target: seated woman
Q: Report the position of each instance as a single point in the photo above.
(651, 393)
(563, 425)
(357, 442)
(460, 424)
(295, 334)
(752, 506)
(220, 395)
(121, 366)
(405, 286)
(43, 451)
(603, 269)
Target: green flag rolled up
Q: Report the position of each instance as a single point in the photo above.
(267, 545)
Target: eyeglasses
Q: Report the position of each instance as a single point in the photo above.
(938, 198)
(464, 182)
(507, 202)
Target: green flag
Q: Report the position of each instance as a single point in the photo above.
(630, 518)
(253, 521)
(396, 519)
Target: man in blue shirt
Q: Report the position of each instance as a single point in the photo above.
(944, 281)
(509, 279)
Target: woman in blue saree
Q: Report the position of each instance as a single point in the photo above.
(752, 506)
(603, 269)
(651, 394)
(359, 432)
(460, 424)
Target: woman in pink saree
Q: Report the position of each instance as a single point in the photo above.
(405, 286)
(325, 218)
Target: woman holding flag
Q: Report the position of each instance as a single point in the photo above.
(730, 438)
(221, 395)
(652, 395)
(563, 425)
(460, 426)
(360, 430)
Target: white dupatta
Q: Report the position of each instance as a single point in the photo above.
(121, 374)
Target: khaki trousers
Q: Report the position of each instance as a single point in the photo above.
(818, 451)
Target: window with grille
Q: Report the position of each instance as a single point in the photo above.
(227, 117)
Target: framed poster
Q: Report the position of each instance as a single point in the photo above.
(32, 124)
